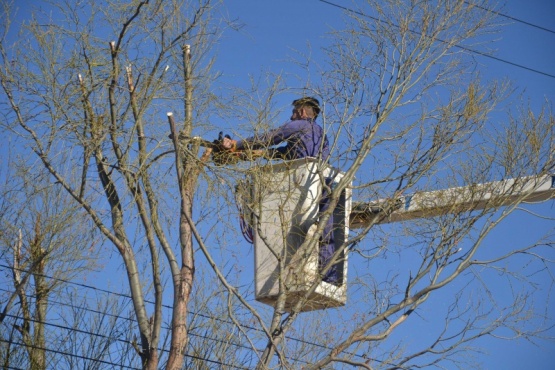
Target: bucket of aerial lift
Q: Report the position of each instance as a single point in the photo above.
(285, 200)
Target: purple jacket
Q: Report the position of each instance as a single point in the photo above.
(304, 138)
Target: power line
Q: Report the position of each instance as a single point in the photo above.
(510, 17)
(248, 327)
(122, 295)
(117, 317)
(124, 341)
(187, 355)
(457, 46)
(58, 352)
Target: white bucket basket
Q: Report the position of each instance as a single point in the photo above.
(284, 202)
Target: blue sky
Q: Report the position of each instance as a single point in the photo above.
(274, 30)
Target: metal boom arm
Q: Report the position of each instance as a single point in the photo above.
(459, 199)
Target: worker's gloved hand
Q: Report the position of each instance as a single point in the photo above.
(222, 153)
(229, 144)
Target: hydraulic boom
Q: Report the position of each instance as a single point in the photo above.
(459, 199)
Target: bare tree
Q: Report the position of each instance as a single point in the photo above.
(100, 80)
(41, 249)
(88, 94)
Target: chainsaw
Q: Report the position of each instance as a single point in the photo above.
(220, 155)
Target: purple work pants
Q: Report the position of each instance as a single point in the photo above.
(327, 242)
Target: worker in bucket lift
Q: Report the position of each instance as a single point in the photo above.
(303, 138)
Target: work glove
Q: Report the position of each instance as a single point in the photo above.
(223, 152)
(229, 144)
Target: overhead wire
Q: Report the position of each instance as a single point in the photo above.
(122, 295)
(118, 317)
(511, 17)
(69, 354)
(49, 324)
(8, 367)
(126, 296)
(486, 55)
